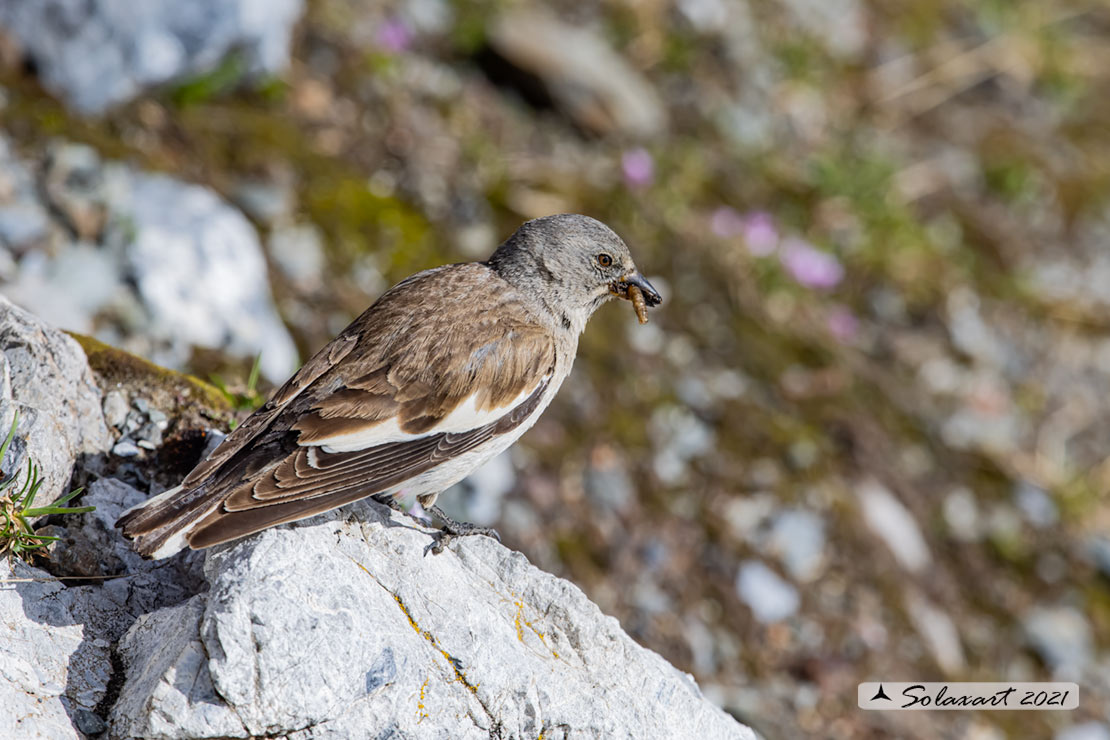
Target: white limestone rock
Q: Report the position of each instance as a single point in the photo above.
(336, 628)
(200, 272)
(97, 53)
(45, 379)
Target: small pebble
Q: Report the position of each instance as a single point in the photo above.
(88, 723)
(770, 598)
(133, 422)
(115, 409)
(150, 436)
(1062, 636)
(125, 448)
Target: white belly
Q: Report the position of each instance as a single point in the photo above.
(433, 482)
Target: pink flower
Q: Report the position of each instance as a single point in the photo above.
(760, 233)
(842, 323)
(726, 222)
(810, 266)
(394, 36)
(757, 229)
(638, 167)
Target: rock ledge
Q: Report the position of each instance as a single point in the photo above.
(342, 627)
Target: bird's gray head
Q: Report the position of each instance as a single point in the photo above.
(571, 264)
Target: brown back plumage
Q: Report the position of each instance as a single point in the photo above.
(425, 346)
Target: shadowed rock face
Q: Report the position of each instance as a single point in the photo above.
(340, 626)
(57, 659)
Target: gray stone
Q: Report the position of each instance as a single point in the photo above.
(265, 201)
(607, 481)
(74, 185)
(115, 408)
(158, 267)
(1062, 637)
(126, 448)
(97, 53)
(23, 219)
(1098, 550)
(55, 658)
(200, 273)
(567, 59)
(839, 25)
(961, 514)
(770, 598)
(49, 666)
(1036, 504)
(168, 678)
(88, 723)
(45, 378)
(893, 523)
(469, 643)
(22, 224)
(69, 288)
(679, 437)
(797, 537)
(939, 632)
(132, 421)
(150, 435)
(704, 15)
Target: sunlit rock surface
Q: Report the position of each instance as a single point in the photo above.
(99, 53)
(143, 260)
(341, 626)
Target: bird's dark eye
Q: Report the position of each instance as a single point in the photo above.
(604, 260)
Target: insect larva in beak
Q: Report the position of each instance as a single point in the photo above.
(637, 297)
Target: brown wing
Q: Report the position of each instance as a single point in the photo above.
(243, 434)
(313, 481)
(457, 335)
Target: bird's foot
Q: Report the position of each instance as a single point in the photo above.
(393, 504)
(452, 529)
(396, 505)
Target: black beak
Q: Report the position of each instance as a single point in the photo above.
(651, 295)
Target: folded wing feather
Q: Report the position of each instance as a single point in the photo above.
(422, 376)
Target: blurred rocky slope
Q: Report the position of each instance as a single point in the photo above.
(866, 437)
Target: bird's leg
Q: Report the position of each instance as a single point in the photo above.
(452, 529)
(392, 503)
(395, 504)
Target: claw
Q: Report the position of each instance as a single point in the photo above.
(452, 529)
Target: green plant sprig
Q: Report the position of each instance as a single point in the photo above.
(17, 536)
(247, 399)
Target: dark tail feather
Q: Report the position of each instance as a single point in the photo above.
(159, 525)
(224, 526)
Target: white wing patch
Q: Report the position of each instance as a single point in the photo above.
(465, 417)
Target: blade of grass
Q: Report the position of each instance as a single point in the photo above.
(7, 443)
(252, 379)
